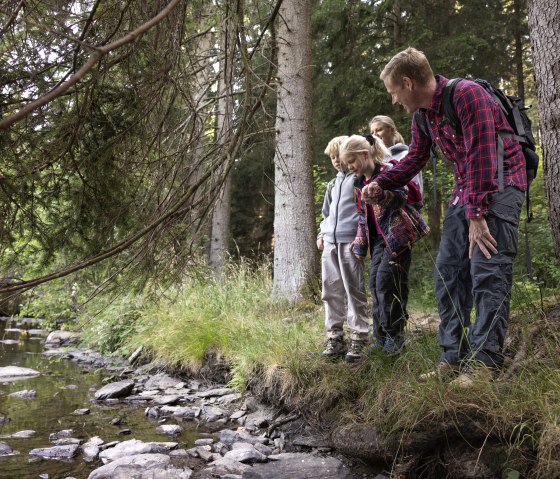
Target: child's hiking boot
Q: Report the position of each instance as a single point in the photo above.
(393, 346)
(356, 351)
(335, 348)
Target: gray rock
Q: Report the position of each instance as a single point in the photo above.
(90, 452)
(204, 442)
(357, 440)
(4, 419)
(65, 433)
(26, 434)
(204, 452)
(224, 466)
(161, 381)
(245, 453)
(56, 452)
(62, 338)
(165, 400)
(215, 392)
(169, 429)
(115, 390)
(211, 413)
(141, 466)
(134, 447)
(67, 441)
(6, 450)
(180, 411)
(81, 412)
(267, 451)
(228, 437)
(298, 466)
(220, 448)
(310, 441)
(237, 414)
(179, 453)
(10, 373)
(9, 341)
(152, 412)
(229, 398)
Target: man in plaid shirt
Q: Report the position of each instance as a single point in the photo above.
(479, 238)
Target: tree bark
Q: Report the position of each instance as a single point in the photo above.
(222, 210)
(544, 31)
(294, 228)
(517, 18)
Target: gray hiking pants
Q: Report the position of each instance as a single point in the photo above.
(344, 291)
(460, 282)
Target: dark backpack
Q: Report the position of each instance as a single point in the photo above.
(515, 112)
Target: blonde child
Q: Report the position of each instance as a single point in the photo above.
(343, 287)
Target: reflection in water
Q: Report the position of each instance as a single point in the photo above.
(62, 387)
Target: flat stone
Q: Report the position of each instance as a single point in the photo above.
(170, 429)
(10, 373)
(6, 450)
(161, 381)
(26, 434)
(204, 442)
(165, 400)
(298, 466)
(67, 441)
(204, 452)
(56, 452)
(215, 392)
(228, 466)
(132, 464)
(211, 413)
(62, 338)
(245, 453)
(9, 341)
(237, 414)
(115, 390)
(81, 412)
(65, 433)
(25, 394)
(134, 447)
(228, 437)
(180, 411)
(90, 452)
(310, 441)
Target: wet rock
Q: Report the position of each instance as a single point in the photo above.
(152, 412)
(360, 441)
(9, 341)
(6, 450)
(141, 466)
(10, 373)
(228, 437)
(90, 450)
(223, 466)
(134, 447)
(161, 381)
(62, 338)
(298, 466)
(35, 332)
(115, 390)
(310, 441)
(212, 414)
(65, 433)
(56, 452)
(117, 421)
(25, 394)
(215, 392)
(166, 400)
(245, 453)
(20, 434)
(169, 429)
(204, 442)
(67, 441)
(81, 412)
(180, 411)
(124, 432)
(229, 398)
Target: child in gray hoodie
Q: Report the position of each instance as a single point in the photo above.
(343, 286)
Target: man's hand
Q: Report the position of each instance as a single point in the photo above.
(371, 192)
(320, 244)
(480, 234)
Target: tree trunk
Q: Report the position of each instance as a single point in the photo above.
(222, 209)
(294, 228)
(544, 31)
(517, 18)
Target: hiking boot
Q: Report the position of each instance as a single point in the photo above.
(335, 348)
(377, 345)
(393, 346)
(442, 370)
(471, 375)
(356, 351)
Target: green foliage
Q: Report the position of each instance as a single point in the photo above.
(55, 302)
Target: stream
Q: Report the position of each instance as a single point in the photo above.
(62, 388)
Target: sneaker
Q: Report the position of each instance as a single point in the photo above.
(393, 346)
(471, 375)
(356, 350)
(443, 369)
(335, 348)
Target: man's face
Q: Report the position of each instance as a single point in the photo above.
(402, 94)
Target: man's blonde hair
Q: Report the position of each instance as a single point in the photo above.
(357, 144)
(333, 148)
(388, 122)
(409, 63)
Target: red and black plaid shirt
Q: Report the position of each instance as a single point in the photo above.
(472, 153)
